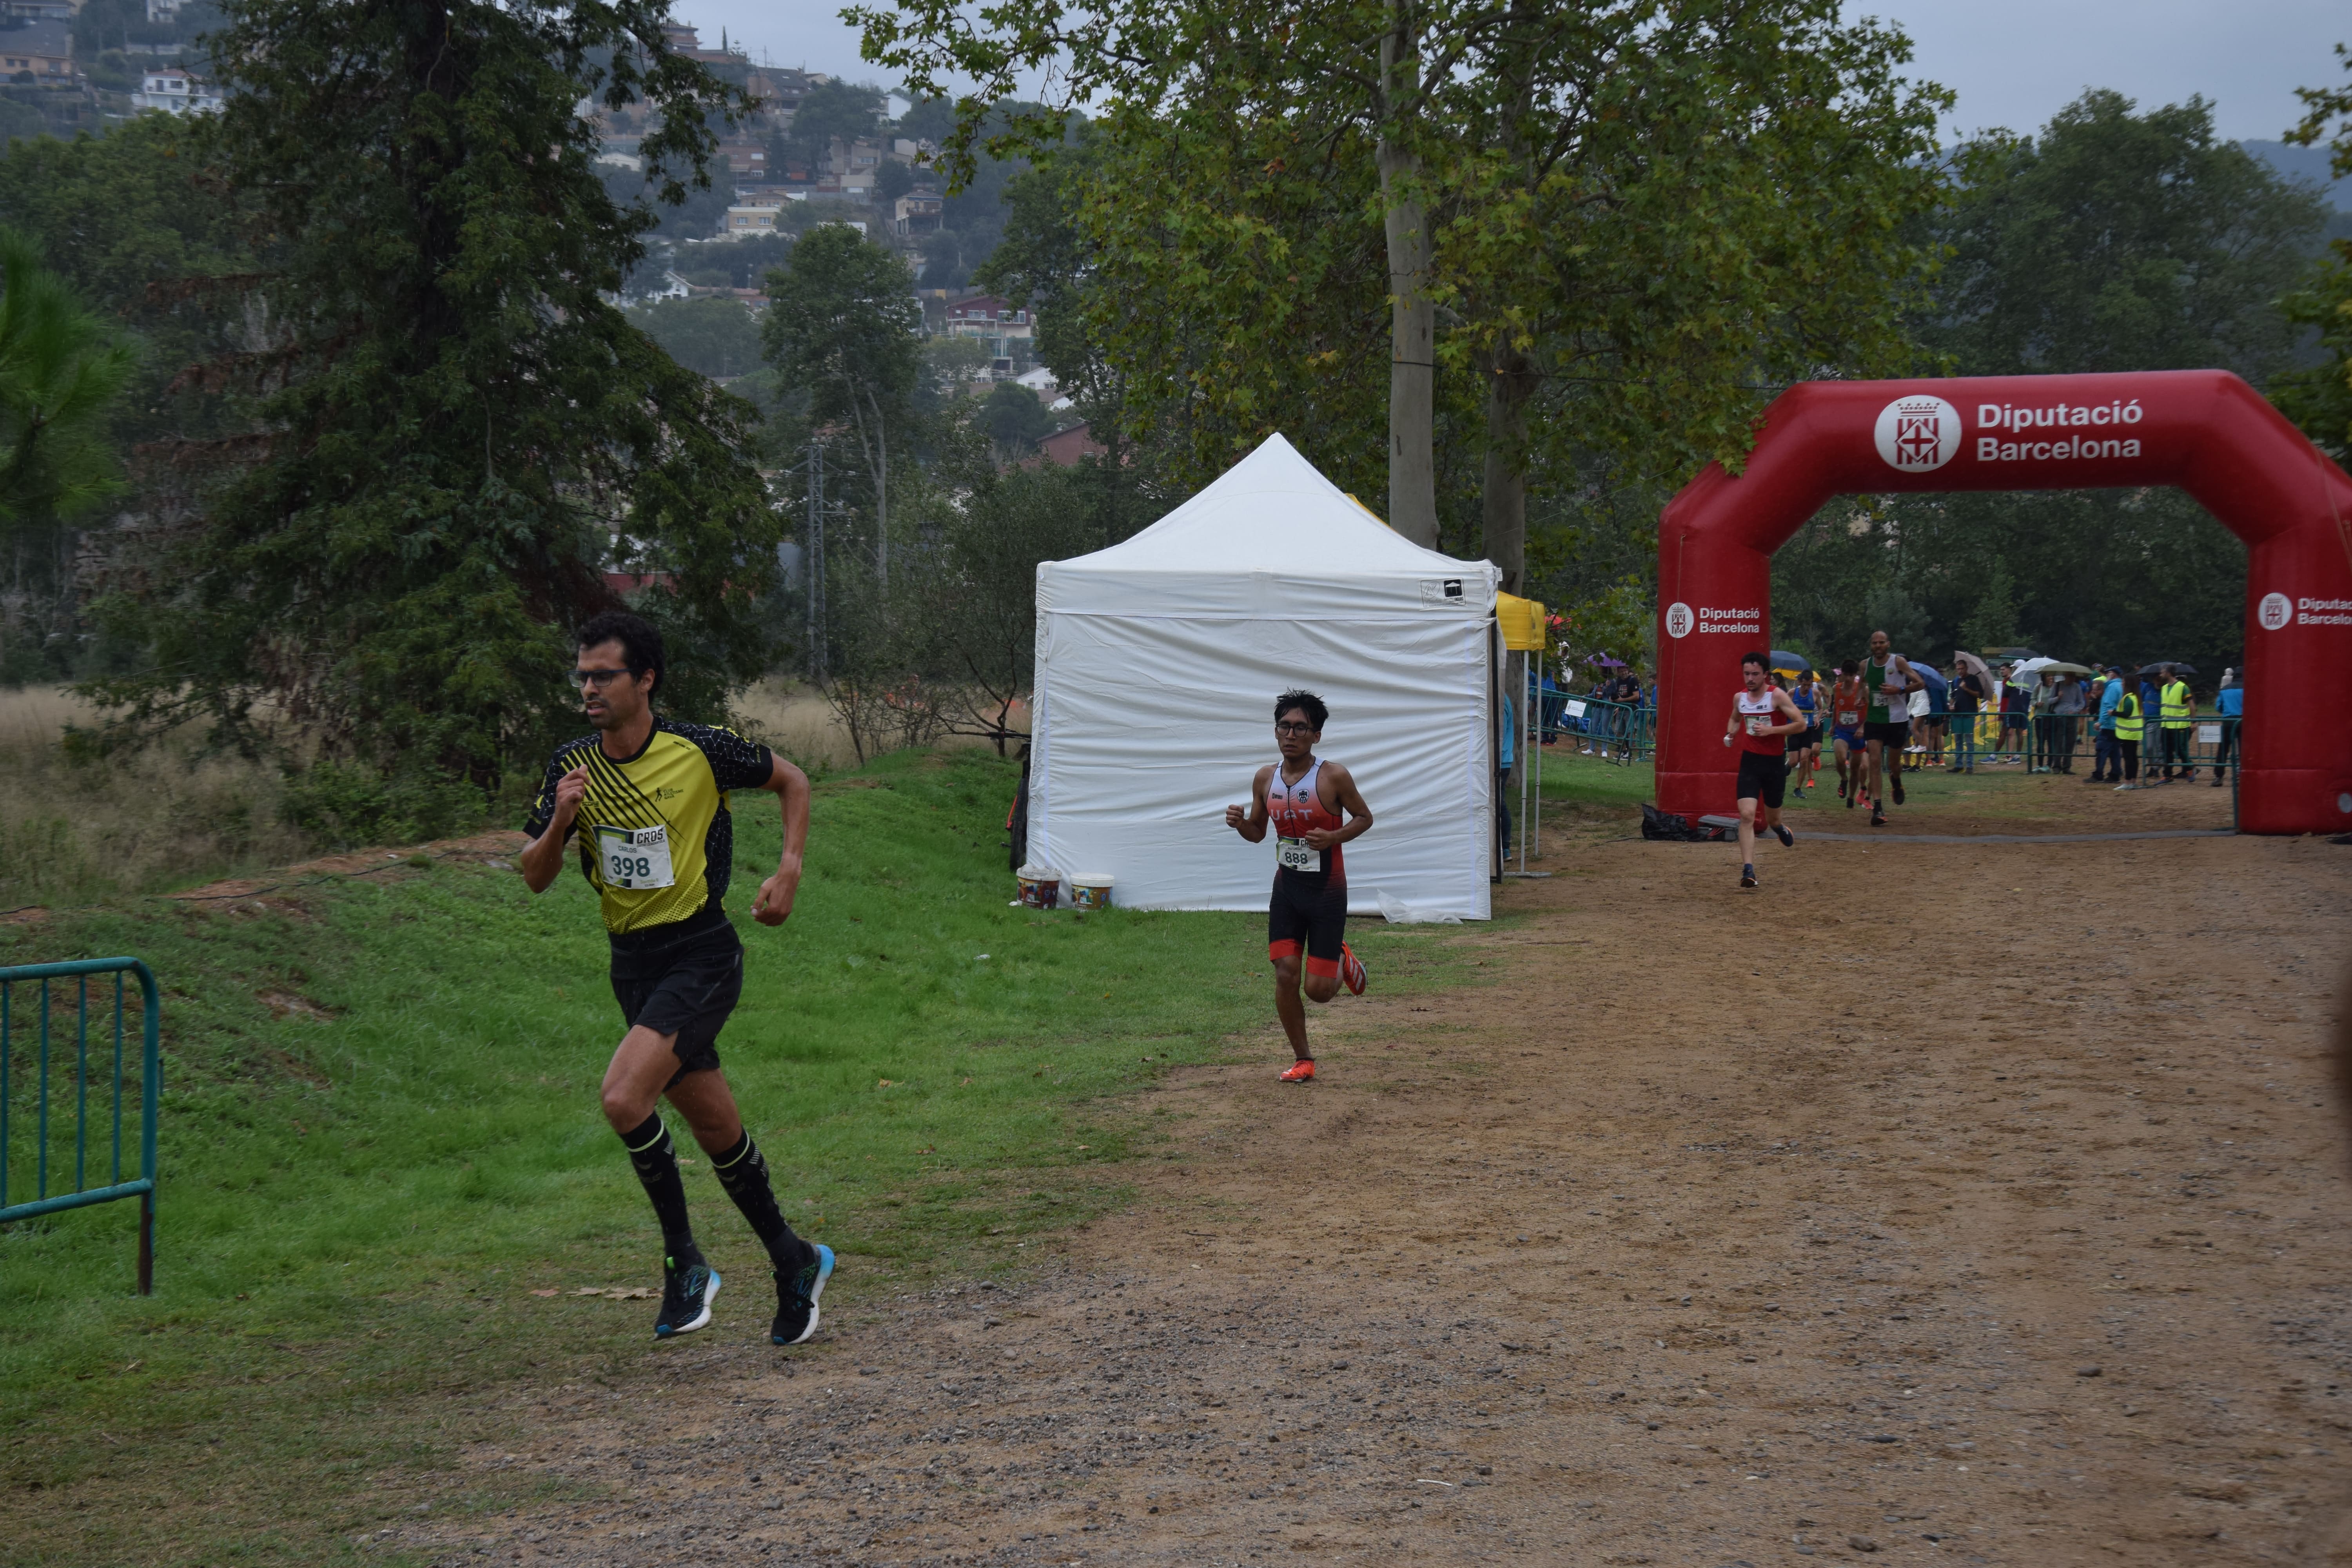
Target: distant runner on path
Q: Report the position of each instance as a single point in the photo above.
(1890, 681)
(1762, 720)
(647, 798)
(1847, 701)
(1303, 797)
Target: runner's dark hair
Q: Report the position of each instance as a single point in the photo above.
(1305, 700)
(1850, 666)
(641, 644)
(1759, 657)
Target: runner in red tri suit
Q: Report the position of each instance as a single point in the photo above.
(1313, 807)
(1762, 720)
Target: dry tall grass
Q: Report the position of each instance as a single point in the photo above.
(792, 718)
(164, 817)
(169, 817)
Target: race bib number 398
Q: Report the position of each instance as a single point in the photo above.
(635, 858)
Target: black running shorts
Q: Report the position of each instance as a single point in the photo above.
(1308, 913)
(1762, 777)
(1894, 732)
(684, 985)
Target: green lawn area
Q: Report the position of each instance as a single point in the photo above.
(1572, 778)
(357, 1208)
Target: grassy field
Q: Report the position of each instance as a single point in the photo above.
(386, 1176)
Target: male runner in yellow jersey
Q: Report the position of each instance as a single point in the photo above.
(646, 798)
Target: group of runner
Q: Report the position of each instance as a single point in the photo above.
(1778, 734)
(644, 798)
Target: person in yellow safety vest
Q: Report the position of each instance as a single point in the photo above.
(2177, 710)
(2128, 731)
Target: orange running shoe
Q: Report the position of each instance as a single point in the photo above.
(1300, 1072)
(1351, 970)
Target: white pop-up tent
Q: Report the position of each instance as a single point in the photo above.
(1159, 661)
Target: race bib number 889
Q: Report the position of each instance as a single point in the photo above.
(635, 858)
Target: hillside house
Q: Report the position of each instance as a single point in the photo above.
(1003, 326)
(746, 222)
(918, 212)
(39, 52)
(745, 158)
(174, 91)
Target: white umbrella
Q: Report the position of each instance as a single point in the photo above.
(2029, 672)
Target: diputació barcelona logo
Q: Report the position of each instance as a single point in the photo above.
(1918, 434)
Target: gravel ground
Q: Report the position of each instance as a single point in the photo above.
(1847, 1220)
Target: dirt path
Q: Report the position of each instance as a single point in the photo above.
(1937, 1246)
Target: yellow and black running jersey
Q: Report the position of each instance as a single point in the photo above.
(656, 839)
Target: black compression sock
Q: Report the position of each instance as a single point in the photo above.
(656, 1159)
(743, 1171)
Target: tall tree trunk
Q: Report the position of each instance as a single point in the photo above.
(1413, 370)
(1510, 383)
(881, 497)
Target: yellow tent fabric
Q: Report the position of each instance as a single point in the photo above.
(1522, 622)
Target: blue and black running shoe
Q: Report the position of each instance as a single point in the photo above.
(797, 1295)
(687, 1295)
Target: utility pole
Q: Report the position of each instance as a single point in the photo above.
(816, 561)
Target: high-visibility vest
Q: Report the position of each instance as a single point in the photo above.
(2127, 719)
(2175, 705)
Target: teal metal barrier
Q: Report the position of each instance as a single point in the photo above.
(1613, 732)
(49, 1115)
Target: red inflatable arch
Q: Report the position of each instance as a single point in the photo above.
(2204, 430)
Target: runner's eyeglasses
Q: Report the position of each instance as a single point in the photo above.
(598, 679)
(1284, 727)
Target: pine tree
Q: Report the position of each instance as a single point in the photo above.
(455, 442)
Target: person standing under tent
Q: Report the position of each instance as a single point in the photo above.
(2178, 710)
(2106, 757)
(1890, 681)
(2146, 684)
(2129, 714)
(2229, 702)
(1848, 701)
(1506, 752)
(1313, 806)
(1762, 720)
(1968, 700)
(1807, 747)
(647, 797)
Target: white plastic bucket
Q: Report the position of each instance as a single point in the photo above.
(1090, 889)
(1040, 887)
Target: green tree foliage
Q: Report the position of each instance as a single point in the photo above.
(841, 330)
(713, 337)
(136, 223)
(981, 591)
(2116, 240)
(1635, 213)
(453, 437)
(831, 112)
(2318, 398)
(2120, 241)
(1016, 421)
(60, 371)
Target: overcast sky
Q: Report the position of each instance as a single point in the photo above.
(2012, 62)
